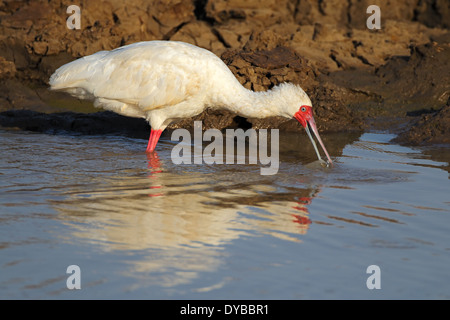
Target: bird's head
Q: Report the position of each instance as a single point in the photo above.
(297, 105)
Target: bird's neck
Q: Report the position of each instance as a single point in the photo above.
(251, 104)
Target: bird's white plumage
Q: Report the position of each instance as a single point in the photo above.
(137, 79)
(163, 81)
(166, 80)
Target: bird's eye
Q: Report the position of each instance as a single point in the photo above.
(303, 109)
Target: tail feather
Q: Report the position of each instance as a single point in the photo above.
(71, 76)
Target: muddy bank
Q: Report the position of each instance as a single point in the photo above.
(409, 94)
(354, 76)
(429, 128)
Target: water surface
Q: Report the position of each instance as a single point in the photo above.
(142, 227)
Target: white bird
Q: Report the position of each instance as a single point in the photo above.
(166, 81)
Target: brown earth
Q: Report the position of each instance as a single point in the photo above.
(355, 77)
(430, 128)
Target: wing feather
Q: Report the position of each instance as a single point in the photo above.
(148, 75)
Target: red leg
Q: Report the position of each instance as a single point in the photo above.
(153, 140)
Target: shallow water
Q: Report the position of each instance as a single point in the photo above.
(143, 227)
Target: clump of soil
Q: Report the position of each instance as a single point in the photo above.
(430, 128)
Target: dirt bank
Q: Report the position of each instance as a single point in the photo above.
(354, 76)
(432, 127)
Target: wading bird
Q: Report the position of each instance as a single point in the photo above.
(166, 81)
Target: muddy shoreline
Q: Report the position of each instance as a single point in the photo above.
(395, 78)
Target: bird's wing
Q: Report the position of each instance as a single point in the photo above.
(148, 75)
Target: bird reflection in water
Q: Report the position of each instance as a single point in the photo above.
(154, 165)
(303, 218)
(184, 220)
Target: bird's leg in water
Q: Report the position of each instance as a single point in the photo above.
(153, 140)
